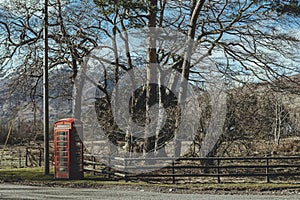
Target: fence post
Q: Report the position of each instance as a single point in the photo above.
(26, 157)
(94, 165)
(125, 168)
(11, 158)
(218, 170)
(267, 170)
(40, 157)
(20, 158)
(173, 171)
(109, 171)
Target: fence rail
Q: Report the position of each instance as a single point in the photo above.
(192, 169)
(219, 168)
(21, 156)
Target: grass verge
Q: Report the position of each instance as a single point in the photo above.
(35, 176)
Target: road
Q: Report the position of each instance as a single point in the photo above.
(8, 191)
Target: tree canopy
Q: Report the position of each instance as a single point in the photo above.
(247, 41)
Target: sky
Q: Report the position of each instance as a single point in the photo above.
(294, 26)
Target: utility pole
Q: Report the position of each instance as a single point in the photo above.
(46, 91)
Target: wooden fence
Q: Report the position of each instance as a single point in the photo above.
(219, 169)
(21, 156)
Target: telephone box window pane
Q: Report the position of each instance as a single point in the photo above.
(62, 133)
(62, 144)
(62, 169)
(77, 138)
(63, 153)
(61, 138)
(62, 149)
(62, 159)
(62, 163)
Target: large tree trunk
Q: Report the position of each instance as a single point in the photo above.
(196, 8)
(151, 72)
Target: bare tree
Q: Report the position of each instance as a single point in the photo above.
(71, 39)
(241, 37)
(248, 41)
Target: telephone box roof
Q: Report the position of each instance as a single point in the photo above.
(68, 120)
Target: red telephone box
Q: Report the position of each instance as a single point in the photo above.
(68, 149)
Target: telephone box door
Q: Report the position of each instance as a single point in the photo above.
(62, 154)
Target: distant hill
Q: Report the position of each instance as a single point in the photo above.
(20, 102)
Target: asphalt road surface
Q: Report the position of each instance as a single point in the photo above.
(8, 191)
